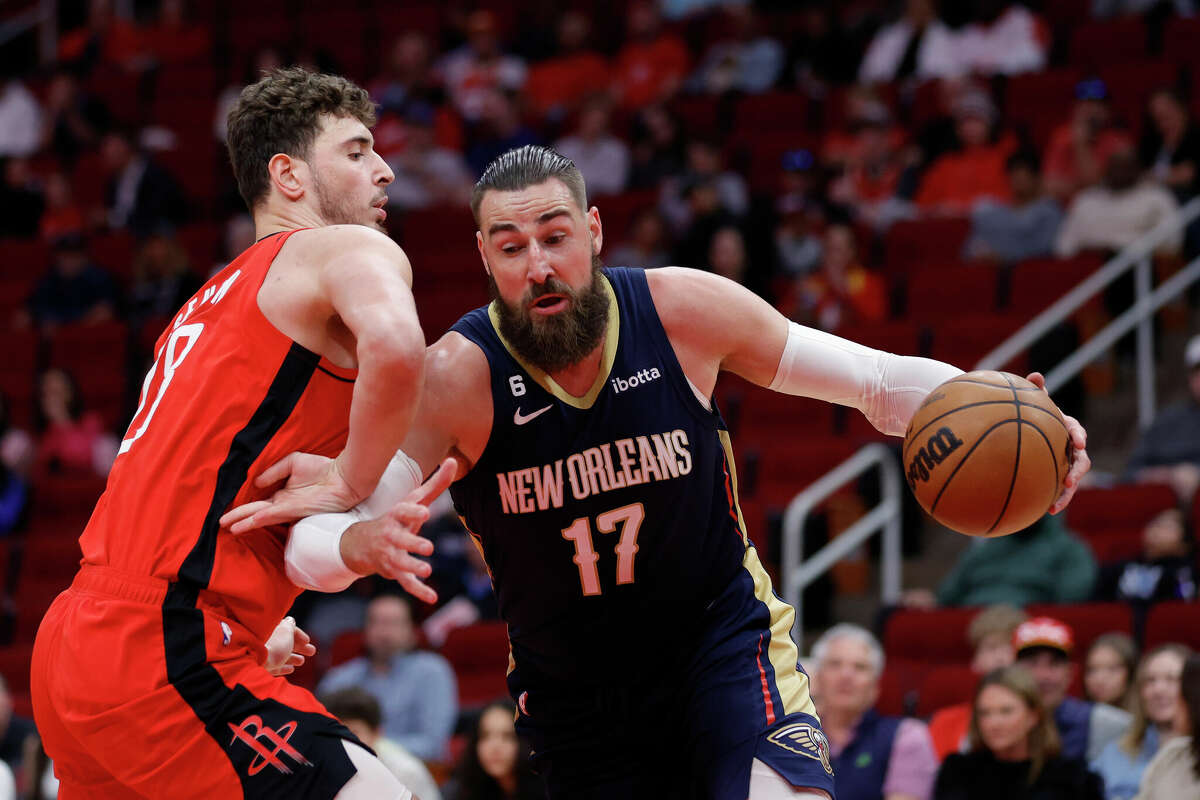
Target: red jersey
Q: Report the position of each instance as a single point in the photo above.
(228, 395)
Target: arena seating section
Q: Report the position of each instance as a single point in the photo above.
(942, 308)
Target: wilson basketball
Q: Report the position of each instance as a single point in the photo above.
(986, 453)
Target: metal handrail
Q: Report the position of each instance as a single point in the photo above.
(1137, 256)
(797, 573)
(42, 14)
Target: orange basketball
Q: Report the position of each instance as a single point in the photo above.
(986, 453)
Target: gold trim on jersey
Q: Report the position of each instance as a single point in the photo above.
(478, 542)
(611, 336)
(792, 683)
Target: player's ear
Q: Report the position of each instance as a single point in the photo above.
(287, 175)
(597, 230)
(482, 257)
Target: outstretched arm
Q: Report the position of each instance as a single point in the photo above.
(743, 334)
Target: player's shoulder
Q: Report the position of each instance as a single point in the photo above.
(456, 364)
(340, 239)
(684, 291)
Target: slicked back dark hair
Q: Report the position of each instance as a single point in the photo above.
(528, 166)
(282, 114)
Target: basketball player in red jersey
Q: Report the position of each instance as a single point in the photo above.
(151, 676)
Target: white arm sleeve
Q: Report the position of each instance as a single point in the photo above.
(313, 556)
(886, 388)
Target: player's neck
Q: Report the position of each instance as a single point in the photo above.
(578, 378)
(270, 219)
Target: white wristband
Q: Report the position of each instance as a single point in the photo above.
(313, 556)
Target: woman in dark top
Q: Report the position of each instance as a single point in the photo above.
(495, 763)
(1170, 145)
(1014, 749)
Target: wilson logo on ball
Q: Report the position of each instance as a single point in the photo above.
(936, 450)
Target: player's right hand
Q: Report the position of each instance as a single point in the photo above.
(386, 545)
(315, 485)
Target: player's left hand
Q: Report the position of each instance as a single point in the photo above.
(314, 485)
(1080, 462)
(287, 648)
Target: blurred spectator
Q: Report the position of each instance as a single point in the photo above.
(1113, 215)
(1023, 228)
(820, 52)
(1169, 450)
(1044, 647)
(705, 164)
(1079, 149)
(265, 60)
(727, 254)
(20, 118)
(873, 756)
(471, 596)
(868, 158)
(500, 129)
(15, 731)
(918, 45)
(239, 236)
(1170, 145)
(651, 64)
(172, 39)
(21, 200)
(646, 244)
(797, 244)
(416, 689)
(657, 147)
(162, 279)
(105, 39)
(16, 445)
(427, 174)
(73, 289)
(1108, 670)
(1174, 772)
(71, 439)
(990, 636)
(956, 181)
(495, 763)
(683, 9)
(1004, 39)
(557, 84)
(1045, 563)
(407, 74)
(1156, 708)
(63, 216)
(141, 196)
(706, 216)
(1015, 751)
(602, 158)
(843, 293)
(479, 69)
(1165, 569)
(748, 60)
(74, 118)
(359, 711)
(1113, 8)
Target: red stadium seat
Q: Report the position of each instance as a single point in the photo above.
(347, 645)
(936, 294)
(772, 110)
(1096, 44)
(937, 635)
(1039, 282)
(97, 356)
(113, 251)
(1113, 545)
(68, 496)
(15, 661)
(1130, 85)
(1088, 620)
(617, 213)
(1127, 507)
(479, 654)
(924, 242)
(946, 686)
(1040, 101)
(962, 341)
(1173, 622)
(899, 684)
(18, 371)
(786, 467)
(1181, 41)
(23, 258)
(900, 336)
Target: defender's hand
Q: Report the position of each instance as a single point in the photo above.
(386, 545)
(287, 648)
(1080, 462)
(315, 485)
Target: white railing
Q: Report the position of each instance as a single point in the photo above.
(42, 15)
(798, 573)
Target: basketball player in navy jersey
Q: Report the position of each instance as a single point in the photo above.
(650, 656)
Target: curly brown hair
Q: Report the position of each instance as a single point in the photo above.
(282, 114)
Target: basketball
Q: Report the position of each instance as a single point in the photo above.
(986, 453)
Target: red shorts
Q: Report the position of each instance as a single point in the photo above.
(138, 695)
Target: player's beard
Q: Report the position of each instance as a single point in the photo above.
(339, 210)
(555, 342)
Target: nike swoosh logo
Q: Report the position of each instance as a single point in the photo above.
(521, 419)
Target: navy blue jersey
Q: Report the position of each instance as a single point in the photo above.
(609, 521)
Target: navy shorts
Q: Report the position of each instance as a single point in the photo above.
(693, 729)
